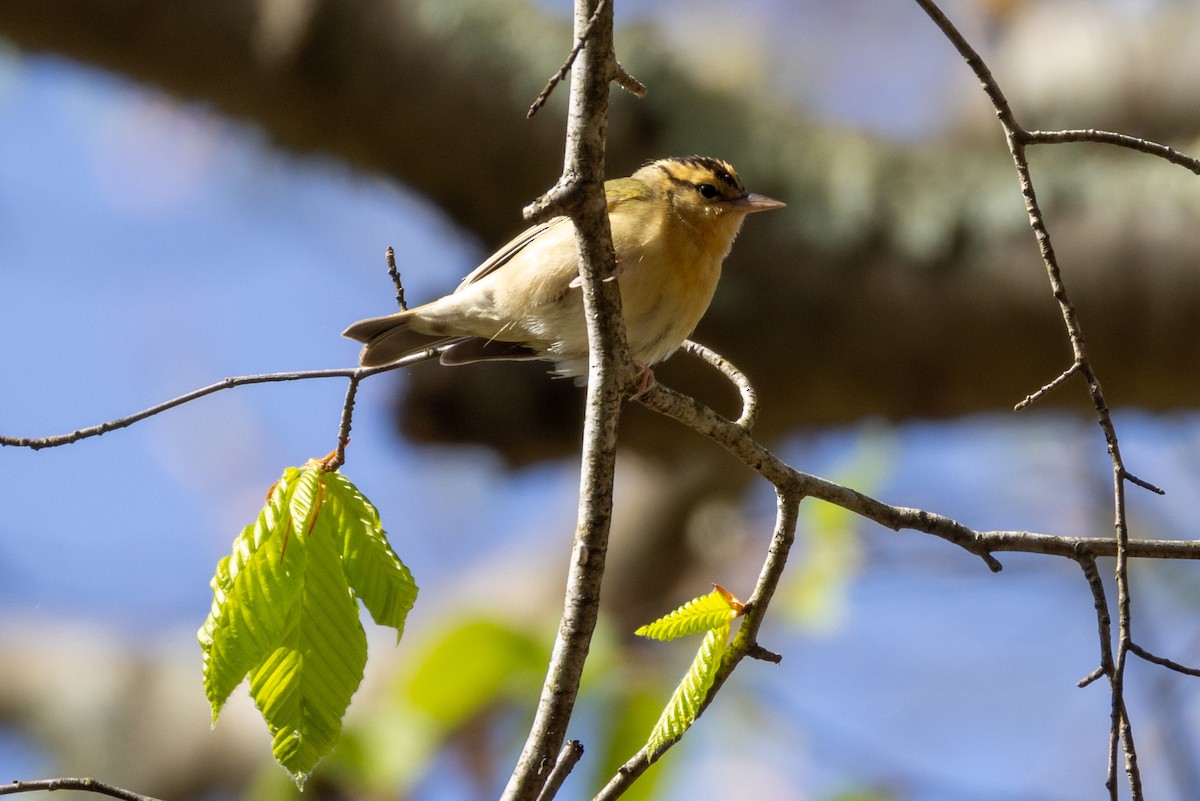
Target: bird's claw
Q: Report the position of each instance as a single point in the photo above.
(646, 380)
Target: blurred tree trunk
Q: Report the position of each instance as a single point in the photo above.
(901, 282)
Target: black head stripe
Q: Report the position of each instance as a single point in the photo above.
(696, 170)
(721, 170)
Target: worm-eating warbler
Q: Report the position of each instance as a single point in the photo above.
(673, 222)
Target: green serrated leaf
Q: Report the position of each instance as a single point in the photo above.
(684, 707)
(376, 575)
(705, 613)
(253, 589)
(285, 612)
(304, 685)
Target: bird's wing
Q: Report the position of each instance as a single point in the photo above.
(505, 254)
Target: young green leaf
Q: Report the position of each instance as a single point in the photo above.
(253, 589)
(699, 614)
(684, 707)
(284, 610)
(304, 685)
(376, 575)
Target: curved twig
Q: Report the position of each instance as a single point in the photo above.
(736, 376)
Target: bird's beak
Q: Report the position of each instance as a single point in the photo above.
(752, 202)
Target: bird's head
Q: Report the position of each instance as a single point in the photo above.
(705, 193)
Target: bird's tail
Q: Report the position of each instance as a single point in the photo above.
(390, 338)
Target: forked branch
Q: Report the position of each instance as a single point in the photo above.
(1018, 139)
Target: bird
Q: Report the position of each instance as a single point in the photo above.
(673, 223)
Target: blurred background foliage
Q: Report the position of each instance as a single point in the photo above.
(189, 191)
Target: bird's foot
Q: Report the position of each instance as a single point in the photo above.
(646, 380)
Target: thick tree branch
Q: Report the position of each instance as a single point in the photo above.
(580, 193)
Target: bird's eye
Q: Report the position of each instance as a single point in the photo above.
(707, 191)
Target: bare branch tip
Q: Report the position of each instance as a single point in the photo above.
(758, 652)
(1119, 140)
(1146, 485)
(1134, 648)
(553, 203)
(569, 62)
(543, 96)
(1091, 677)
(394, 273)
(629, 83)
(1062, 378)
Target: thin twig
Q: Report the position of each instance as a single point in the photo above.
(1110, 138)
(764, 655)
(732, 437)
(37, 443)
(1134, 648)
(755, 456)
(339, 457)
(84, 785)
(1036, 396)
(1087, 561)
(1090, 678)
(556, 78)
(356, 373)
(394, 273)
(736, 376)
(1146, 485)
